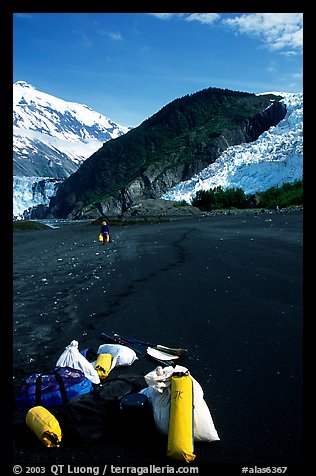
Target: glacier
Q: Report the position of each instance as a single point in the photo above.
(29, 192)
(274, 158)
(51, 139)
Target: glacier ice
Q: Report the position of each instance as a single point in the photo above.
(274, 158)
(31, 191)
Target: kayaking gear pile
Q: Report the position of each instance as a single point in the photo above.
(95, 405)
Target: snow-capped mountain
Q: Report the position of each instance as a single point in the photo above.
(51, 138)
(274, 158)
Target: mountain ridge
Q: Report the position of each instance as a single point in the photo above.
(175, 143)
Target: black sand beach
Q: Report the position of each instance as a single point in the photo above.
(228, 288)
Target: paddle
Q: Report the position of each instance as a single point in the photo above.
(168, 350)
(151, 351)
(161, 357)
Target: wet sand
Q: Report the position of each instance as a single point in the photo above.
(227, 288)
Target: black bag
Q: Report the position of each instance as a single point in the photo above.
(88, 418)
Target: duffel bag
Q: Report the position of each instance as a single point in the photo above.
(88, 418)
(52, 388)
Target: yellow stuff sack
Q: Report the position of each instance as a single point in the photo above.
(103, 365)
(100, 237)
(181, 420)
(44, 425)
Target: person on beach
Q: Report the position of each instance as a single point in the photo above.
(105, 231)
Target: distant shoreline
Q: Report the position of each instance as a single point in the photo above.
(19, 225)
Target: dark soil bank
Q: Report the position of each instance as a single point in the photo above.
(227, 288)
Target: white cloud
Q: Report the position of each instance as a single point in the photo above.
(281, 32)
(115, 35)
(163, 16)
(278, 31)
(207, 18)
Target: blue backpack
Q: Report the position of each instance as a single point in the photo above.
(53, 388)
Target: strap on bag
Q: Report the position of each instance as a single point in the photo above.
(38, 388)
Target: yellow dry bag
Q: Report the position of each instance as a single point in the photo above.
(181, 420)
(103, 365)
(107, 237)
(44, 425)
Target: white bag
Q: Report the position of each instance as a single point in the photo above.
(122, 355)
(160, 403)
(204, 428)
(71, 357)
(158, 392)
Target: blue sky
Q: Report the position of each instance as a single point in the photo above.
(127, 66)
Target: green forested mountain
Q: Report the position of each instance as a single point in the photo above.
(175, 143)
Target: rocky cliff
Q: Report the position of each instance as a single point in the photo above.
(176, 143)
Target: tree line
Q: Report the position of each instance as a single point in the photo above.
(287, 195)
